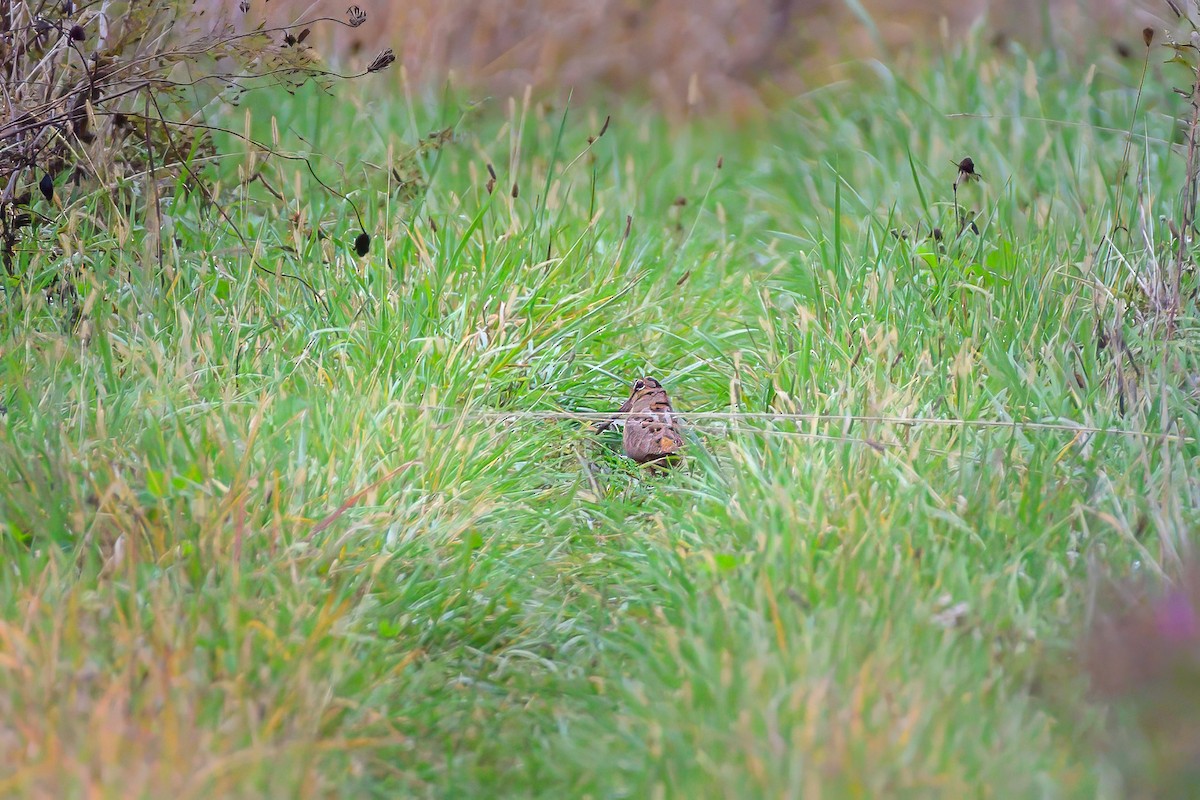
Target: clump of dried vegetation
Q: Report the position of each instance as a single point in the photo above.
(121, 97)
(1159, 288)
(1140, 648)
(1163, 286)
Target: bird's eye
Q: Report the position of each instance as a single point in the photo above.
(638, 385)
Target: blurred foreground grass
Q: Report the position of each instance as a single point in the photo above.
(504, 606)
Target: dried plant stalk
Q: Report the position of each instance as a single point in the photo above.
(117, 90)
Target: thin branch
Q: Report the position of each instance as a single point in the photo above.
(225, 215)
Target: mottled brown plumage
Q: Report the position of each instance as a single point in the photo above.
(651, 430)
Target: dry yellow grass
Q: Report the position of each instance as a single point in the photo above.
(694, 55)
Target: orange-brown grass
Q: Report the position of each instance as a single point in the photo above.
(705, 54)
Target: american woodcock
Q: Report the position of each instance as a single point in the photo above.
(651, 429)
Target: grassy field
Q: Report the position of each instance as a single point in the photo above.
(264, 543)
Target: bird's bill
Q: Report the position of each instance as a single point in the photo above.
(624, 409)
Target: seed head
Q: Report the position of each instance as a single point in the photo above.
(382, 61)
(966, 172)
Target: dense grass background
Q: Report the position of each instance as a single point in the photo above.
(505, 606)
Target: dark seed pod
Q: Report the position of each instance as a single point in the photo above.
(46, 184)
(966, 172)
(515, 191)
(382, 61)
(355, 16)
(362, 244)
(77, 33)
(1148, 36)
(303, 35)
